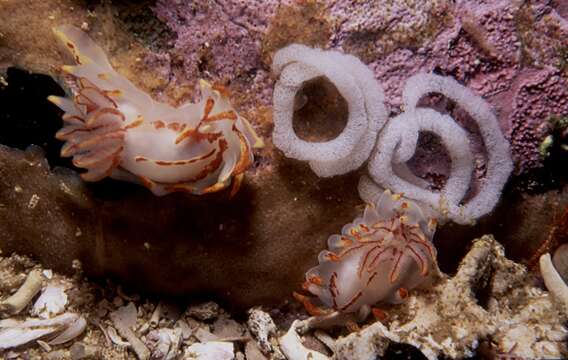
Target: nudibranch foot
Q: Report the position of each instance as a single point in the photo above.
(377, 257)
(112, 129)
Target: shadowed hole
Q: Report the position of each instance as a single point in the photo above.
(320, 111)
(27, 118)
(402, 352)
(482, 290)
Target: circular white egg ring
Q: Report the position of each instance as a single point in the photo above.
(297, 64)
(397, 143)
(499, 163)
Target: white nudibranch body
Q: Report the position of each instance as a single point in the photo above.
(111, 128)
(376, 258)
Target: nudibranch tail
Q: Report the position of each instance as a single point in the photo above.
(111, 128)
(377, 257)
(78, 45)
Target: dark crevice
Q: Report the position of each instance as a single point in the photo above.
(552, 175)
(27, 118)
(403, 352)
(482, 289)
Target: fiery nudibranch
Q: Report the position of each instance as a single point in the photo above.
(377, 258)
(111, 128)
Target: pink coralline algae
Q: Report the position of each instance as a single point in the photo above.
(217, 40)
(207, 40)
(531, 108)
(489, 46)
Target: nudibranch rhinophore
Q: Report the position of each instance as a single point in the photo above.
(377, 258)
(111, 128)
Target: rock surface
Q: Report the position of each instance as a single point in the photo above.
(244, 250)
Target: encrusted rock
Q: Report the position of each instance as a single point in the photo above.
(364, 345)
(490, 297)
(203, 312)
(262, 327)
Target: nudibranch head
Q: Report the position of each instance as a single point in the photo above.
(377, 257)
(111, 128)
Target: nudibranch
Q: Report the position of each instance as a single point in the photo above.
(111, 128)
(378, 257)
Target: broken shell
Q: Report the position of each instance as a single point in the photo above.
(217, 350)
(45, 346)
(252, 351)
(80, 350)
(326, 339)
(553, 281)
(127, 315)
(15, 333)
(115, 338)
(156, 315)
(164, 343)
(74, 330)
(52, 301)
(124, 319)
(291, 345)
(17, 302)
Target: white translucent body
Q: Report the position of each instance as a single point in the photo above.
(114, 129)
(377, 257)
